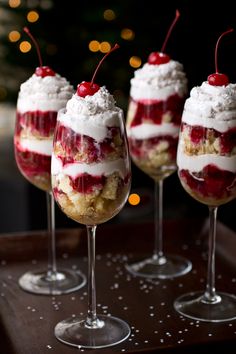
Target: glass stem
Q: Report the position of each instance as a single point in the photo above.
(210, 292)
(158, 220)
(91, 320)
(52, 266)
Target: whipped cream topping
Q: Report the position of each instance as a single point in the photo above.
(196, 163)
(147, 131)
(211, 107)
(159, 81)
(49, 93)
(39, 146)
(75, 169)
(91, 115)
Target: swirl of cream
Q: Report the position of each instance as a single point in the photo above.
(91, 115)
(211, 106)
(159, 81)
(102, 101)
(49, 93)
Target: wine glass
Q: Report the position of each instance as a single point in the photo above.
(206, 169)
(91, 181)
(33, 139)
(153, 129)
(207, 183)
(157, 96)
(156, 156)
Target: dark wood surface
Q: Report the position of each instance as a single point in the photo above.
(27, 321)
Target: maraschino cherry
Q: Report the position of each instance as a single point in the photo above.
(86, 88)
(157, 58)
(41, 70)
(218, 79)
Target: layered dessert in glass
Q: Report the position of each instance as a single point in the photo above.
(206, 160)
(39, 100)
(207, 147)
(157, 96)
(89, 163)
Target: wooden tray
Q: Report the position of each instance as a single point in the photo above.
(27, 321)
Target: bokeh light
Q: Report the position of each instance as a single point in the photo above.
(105, 47)
(14, 36)
(109, 15)
(127, 34)
(94, 46)
(134, 199)
(14, 3)
(25, 46)
(135, 62)
(32, 16)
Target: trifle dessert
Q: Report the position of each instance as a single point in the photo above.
(157, 95)
(206, 161)
(207, 143)
(207, 146)
(90, 175)
(39, 100)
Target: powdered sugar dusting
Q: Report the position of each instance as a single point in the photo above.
(215, 103)
(91, 115)
(100, 102)
(49, 93)
(159, 81)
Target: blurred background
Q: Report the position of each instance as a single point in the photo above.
(73, 37)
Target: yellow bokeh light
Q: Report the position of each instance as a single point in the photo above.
(14, 3)
(105, 47)
(134, 199)
(25, 46)
(109, 15)
(32, 16)
(135, 62)
(127, 34)
(94, 46)
(14, 36)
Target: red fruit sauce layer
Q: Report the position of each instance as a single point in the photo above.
(227, 140)
(37, 121)
(31, 163)
(211, 182)
(91, 151)
(140, 148)
(154, 110)
(86, 183)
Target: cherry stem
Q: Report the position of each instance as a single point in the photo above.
(216, 48)
(116, 46)
(36, 45)
(177, 15)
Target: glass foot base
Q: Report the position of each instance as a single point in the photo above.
(109, 331)
(63, 282)
(192, 305)
(166, 267)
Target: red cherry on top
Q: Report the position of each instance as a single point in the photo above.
(87, 89)
(218, 79)
(157, 58)
(44, 71)
(90, 88)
